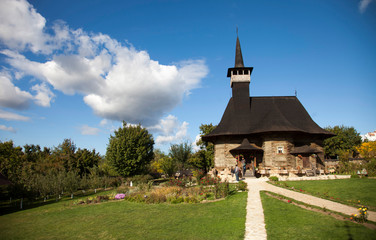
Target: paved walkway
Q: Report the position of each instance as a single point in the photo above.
(255, 225)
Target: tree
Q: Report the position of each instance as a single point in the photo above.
(367, 150)
(85, 159)
(10, 161)
(203, 159)
(130, 150)
(346, 140)
(72, 182)
(168, 165)
(65, 154)
(180, 153)
(155, 165)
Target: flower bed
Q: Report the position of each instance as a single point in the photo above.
(175, 191)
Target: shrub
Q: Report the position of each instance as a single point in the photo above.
(222, 189)
(198, 174)
(273, 178)
(191, 199)
(371, 167)
(362, 216)
(139, 179)
(177, 182)
(208, 180)
(242, 186)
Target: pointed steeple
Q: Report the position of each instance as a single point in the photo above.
(238, 55)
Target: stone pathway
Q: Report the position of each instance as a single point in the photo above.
(255, 225)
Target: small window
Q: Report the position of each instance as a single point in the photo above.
(246, 72)
(279, 150)
(234, 72)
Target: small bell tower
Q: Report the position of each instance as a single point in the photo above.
(240, 79)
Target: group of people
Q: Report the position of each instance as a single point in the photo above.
(239, 170)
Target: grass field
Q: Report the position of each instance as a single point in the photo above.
(347, 191)
(286, 221)
(127, 220)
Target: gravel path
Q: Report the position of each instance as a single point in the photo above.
(255, 225)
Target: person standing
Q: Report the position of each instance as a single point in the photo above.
(236, 172)
(243, 166)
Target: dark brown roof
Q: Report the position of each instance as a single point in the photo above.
(265, 115)
(305, 149)
(246, 147)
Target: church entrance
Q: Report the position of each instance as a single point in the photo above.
(248, 157)
(249, 160)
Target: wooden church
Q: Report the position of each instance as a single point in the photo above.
(275, 135)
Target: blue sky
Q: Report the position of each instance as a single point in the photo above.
(75, 69)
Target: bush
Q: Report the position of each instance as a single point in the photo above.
(242, 186)
(371, 167)
(139, 179)
(198, 174)
(273, 178)
(181, 182)
(208, 180)
(222, 189)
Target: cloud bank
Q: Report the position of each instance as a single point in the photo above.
(117, 81)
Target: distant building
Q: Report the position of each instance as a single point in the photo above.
(275, 135)
(371, 136)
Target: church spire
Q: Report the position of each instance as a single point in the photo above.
(238, 55)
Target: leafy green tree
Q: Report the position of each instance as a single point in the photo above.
(168, 165)
(94, 178)
(72, 182)
(32, 153)
(155, 165)
(65, 154)
(180, 153)
(347, 139)
(85, 159)
(10, 161)
(204, 158)
(130, 150)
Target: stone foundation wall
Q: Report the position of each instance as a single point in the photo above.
(271, 159)
(274, 159)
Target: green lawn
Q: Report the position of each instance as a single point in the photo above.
(347, 191)
(286, 221)
(127, 220)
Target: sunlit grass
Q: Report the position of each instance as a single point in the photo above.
(224, 219)
(286, 221)
(353, 191)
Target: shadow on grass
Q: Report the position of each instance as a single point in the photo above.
(7, 206)
(350, 237)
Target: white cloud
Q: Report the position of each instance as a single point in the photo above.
(118, 82)
(86, 130)
(169, 130)
(10, 95)
(194, 144)
(363, 4)
(103, 122)
(12, 116)
(44, 95)
(22, 27)
(9, 129)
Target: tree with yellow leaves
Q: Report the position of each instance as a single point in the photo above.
(367, 150)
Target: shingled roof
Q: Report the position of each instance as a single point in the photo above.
(265, 115)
